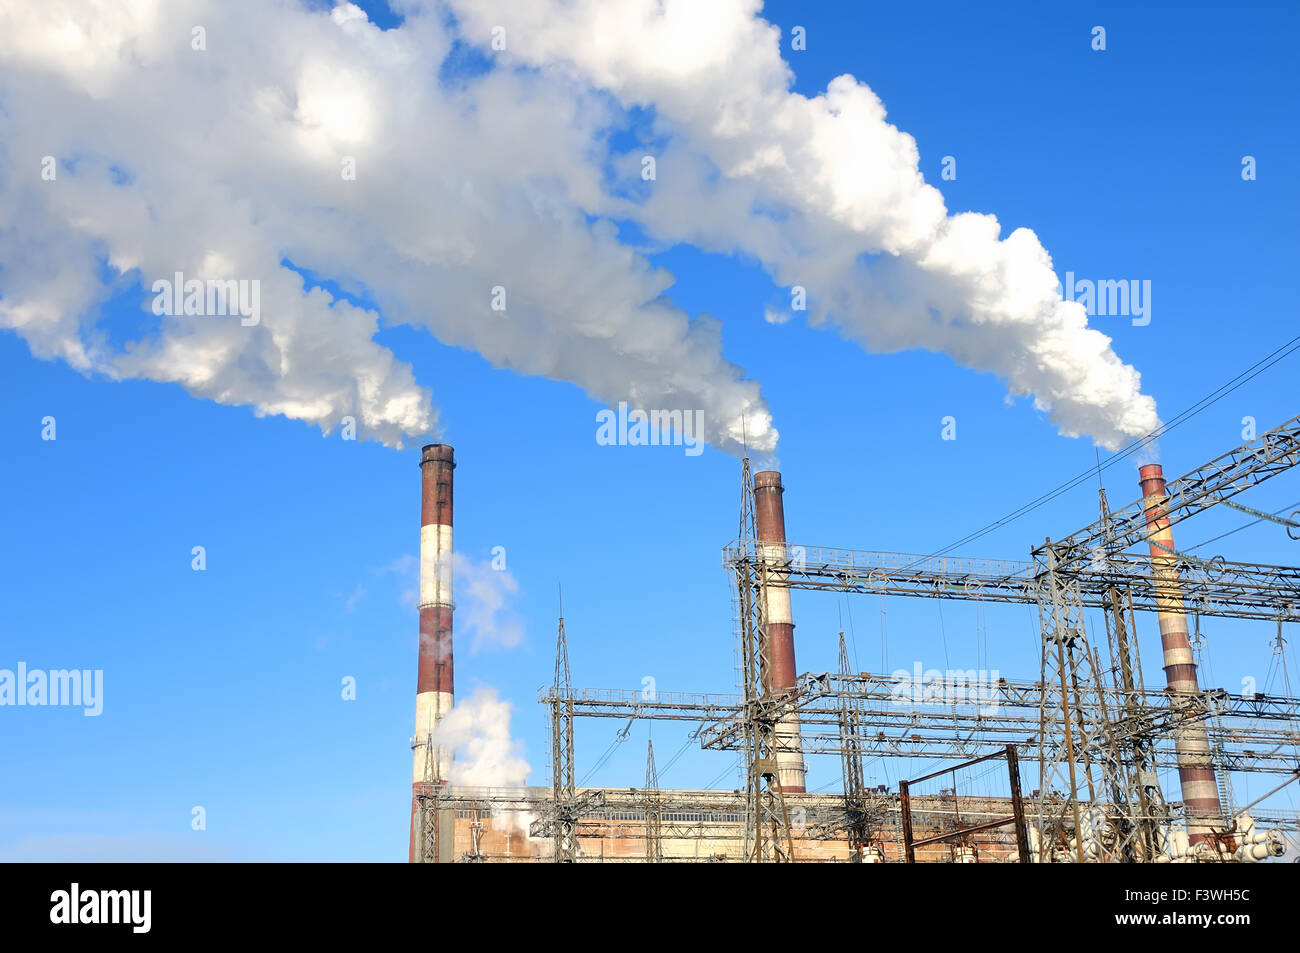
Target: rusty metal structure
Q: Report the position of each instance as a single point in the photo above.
(860, 814)
(1098, 734)
(955, 831)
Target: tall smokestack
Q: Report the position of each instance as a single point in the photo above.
(769, 513)
(434, 688)
(1191, 742)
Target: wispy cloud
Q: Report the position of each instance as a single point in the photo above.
(406, 568)
(483, 611)
(359, 593)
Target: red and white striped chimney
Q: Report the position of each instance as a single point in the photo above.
(769, 514)
(1191, 742)
(434, 688)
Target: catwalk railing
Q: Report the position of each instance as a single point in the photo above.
(1209, 587)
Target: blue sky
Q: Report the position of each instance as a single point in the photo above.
(222, 687)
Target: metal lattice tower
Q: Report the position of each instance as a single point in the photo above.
(857, 815)
(1060, 617)
(654, 848)
(1134, 786)
(1080, 731)
(1134, 773)
(429, 819)
(1100, 734)
(767, 827)
(565, 826)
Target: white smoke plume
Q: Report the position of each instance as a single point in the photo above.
(211, 137)
(477, 729)
(225, 162)
(855, 223)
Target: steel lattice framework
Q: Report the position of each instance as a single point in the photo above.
(1098, 743)
(560, 820)
(892, 723)
(654, 847)
(1088, 569)
(1214, 588)
(1222, 478)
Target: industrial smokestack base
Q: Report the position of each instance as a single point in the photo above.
(769, 515)
(435, 682)
(1196, 777)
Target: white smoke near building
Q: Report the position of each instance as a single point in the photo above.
(477, 729)
(485, 755)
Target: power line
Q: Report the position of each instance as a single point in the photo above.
(1290, 347)
(1260, 519)
(673, 760)
(721, 774)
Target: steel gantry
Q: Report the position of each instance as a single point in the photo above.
(1099, 734)
(560, 820)
(1236, 471)
(1077, 730)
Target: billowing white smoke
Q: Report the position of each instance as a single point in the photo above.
(217, 139)
(845, 185)
(229, 162)
(478, 731)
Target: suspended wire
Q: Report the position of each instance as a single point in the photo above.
(721, 774)
(853, 638)
(1035, 633)
(619, 738)
(599, 764)
(1272, 674)
(828, 784)
(1286, 675)
(981, 634)
(1290, 347)
(1215, 539)
(673, 760)
(943, 634)
(884, 636)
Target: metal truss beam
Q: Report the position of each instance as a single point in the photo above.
(1224, 477)
(1005, 712)
(1219, 588)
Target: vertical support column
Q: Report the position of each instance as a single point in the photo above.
(434, 683)
(769, 517)
(1200, 793)
(1018, 806)
(905, 808)
(1060, 618)
(564, 832)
